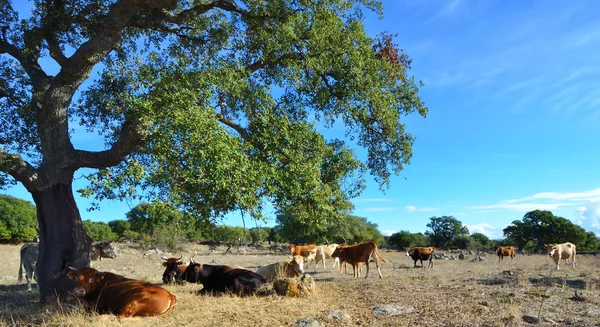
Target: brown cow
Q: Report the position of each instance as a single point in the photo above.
(355, 254)
(111, 293)
(505, 251)
(174, 269)
(301, 249)
(420, 254)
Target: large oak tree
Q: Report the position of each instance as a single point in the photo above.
(211, 105)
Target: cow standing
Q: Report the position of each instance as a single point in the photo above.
(505, 251)
(355, 254)
(420, 254)
(106, 292)
(562, 251)
(324, 252)
(30, 251)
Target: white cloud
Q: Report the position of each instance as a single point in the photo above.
(521, 206)
(591, 195)
(415, 209)
(485, 229)
(588, 216)
(545, 201)
(388, 232)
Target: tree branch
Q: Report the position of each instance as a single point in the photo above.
(241, 131)
(131, 137)
(28, 62)
(18, 168)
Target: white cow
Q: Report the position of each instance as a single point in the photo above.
(561, 251)
(283, 269)
(324, 252)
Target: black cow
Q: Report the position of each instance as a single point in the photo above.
(173, 270)
(226, 279)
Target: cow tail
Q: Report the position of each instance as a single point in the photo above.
(171, 307)
(20, 278)
(380, 257)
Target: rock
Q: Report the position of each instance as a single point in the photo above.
(337, 315)
(307, 322)
(531, 319)
(478, 258)
(392, 309)
(295, 287)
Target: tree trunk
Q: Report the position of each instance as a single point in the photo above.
(63, 242)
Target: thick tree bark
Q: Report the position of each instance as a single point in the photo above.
(63, 242)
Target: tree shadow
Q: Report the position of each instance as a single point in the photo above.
(560, 282)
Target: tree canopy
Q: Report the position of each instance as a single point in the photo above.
(543, 227)
(442, 230)
(17, 219)
(210, 106)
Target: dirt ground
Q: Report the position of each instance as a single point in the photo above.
(453, 293)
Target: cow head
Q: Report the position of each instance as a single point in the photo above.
(172, 272)
(408, 250)
(85, 279)
(103, 250)
(309, 255)
(298, 264)
(338, 251)
(291, 247)
(550, 248)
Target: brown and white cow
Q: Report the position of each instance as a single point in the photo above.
(355, 254)
(309, 252)
(324, 252)
(562, 251)
(420, 254)
(225, 279)
(106, 292)
(174, 269)
(283, 269)
(505, 251)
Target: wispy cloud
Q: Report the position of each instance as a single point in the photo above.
(588, 216)
(388, 232)
(485, 229)
(544, 201)
(415, 209)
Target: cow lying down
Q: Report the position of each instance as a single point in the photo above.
(225, 279)
(106, 292)
(283, 269)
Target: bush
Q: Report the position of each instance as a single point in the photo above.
(463, 242)
(99, 231)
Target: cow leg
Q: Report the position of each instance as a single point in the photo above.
(367, 263)
(415, 265)
(29, 274)
(323, 264)
(378, 268)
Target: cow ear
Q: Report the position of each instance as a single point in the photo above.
(197, 268)
(164, 264)
(179, 263)
(99, 277)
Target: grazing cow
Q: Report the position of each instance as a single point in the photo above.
(561, 251)
(324, 252)
(355, 254)
(103, 250)
(174, 269)
(29, 255)
(283, 269)
(420, 254)
(224, 279)
(505, 251)
(106, 292)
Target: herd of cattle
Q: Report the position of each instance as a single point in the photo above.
(106, 292)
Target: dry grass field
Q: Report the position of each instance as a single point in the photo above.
(453, 293)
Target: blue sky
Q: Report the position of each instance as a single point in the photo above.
(513, 123)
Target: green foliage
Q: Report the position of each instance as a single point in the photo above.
(169, 236)
(481, 240)
(18, 219)
(542, 227)
(406, 239)
(120, 227)
(229, 234)
(592, 243)
(99, 231)
(444, 229)
(463, 242)
(259, 234)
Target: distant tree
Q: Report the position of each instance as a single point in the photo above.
(542, 227)
(229, 234)
(592, 243)
(481, 240)
(99, 231)
(462, 242)
(259, 234)
(444, 229)
(120, 227)
(18, 219)
(406, 239)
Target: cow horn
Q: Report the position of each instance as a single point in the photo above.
(163, 257)
(192, 259)
(181, 256)
(71, 268)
